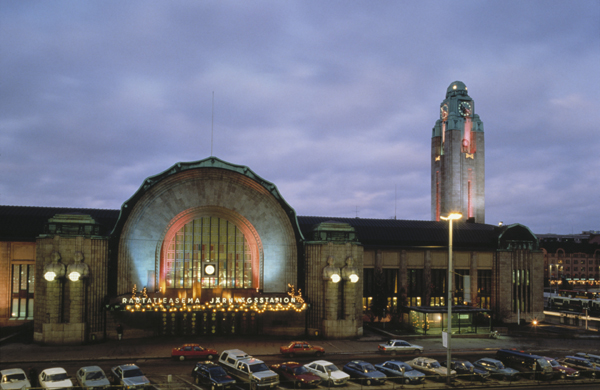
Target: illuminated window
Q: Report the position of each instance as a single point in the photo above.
(210, 251)
(22, 287)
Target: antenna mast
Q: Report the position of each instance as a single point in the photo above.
(212, 123)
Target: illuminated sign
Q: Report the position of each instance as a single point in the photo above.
(259, 304)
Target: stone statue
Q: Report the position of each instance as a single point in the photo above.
(350, 272)
(56, 269)
(78, 269)
(331, 271)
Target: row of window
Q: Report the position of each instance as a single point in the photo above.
(208, 240)
(416, 289)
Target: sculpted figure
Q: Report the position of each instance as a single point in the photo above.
(56, 269)
(78, 269)
(350, 271)
(331, 272)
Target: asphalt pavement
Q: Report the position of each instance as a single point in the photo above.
(160, 347)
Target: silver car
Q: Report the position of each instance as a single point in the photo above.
(399, 346)
(129, 376)
(92, 377)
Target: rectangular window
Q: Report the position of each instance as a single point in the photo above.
(22, 287)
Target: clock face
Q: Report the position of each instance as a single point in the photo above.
(444, 112)
(464, 108)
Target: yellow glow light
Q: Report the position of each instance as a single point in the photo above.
(49, 276)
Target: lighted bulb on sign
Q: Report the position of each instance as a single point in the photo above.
(49, 276)
(74, 276)
(335, 278)
(353, 278)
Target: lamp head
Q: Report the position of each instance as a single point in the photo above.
(452, 216)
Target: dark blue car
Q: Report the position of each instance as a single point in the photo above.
(365, 372)
(394, 369)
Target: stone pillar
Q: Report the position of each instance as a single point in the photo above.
(54, 274)
(350, 278)
(331, 279)
(77, 274)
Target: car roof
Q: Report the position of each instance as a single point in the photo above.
(322, 362)
(10, 371)
(90, 368)
(125, 367)
(190, 345)
(54, 370)
(576, 358)
(207, 363)
(490, 360)
(426, 359)
(399, 340)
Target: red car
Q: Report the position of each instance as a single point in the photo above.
(561, 371)
(296, 374)
(193, 351)
(301, 348)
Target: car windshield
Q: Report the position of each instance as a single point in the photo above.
(553, 363)
(368, 368)
(300, 370)
(499, 365)
(434, 365)
(331, 368)
(216, 372)
(259, 367)
(94, 375)
(14, 377)
(543, 363)
(132, 373)
(58, 377)
(469, 365)
(391, 342)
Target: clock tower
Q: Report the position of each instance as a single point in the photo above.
(458, 158)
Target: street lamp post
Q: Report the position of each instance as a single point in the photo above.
(449, 218)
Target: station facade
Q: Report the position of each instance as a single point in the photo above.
(209, 247)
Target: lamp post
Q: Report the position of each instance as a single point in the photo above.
(449, 218)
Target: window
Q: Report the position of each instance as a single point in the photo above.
(208, 240)
(22, 288)
(484, 288)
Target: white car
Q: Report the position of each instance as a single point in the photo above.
(54, 378)
(91, 377)
(399, 346)
(430, 367)
(13, 379)
(328, 372)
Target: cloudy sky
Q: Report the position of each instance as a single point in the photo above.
(332, 101)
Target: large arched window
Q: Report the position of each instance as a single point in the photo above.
(203, 241)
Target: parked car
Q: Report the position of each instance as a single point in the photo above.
(584, 366)
(54, 378)
(400, 370)
(399, 346)
(13, 379)
(296, 374)
(212, 375)
(496, 368)
(465, 368)
(589, 356)
(328, 372)
(130, 376)
(529, 365)
(91, 377)
(561, 371)
(430, 367)
(365, 372)
(301, 348)
(193, 351)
